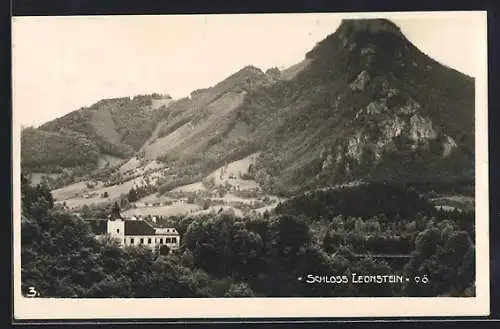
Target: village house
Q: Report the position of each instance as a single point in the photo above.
(135, 232)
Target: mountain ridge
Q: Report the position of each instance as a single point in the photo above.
(363, 102)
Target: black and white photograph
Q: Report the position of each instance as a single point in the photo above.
(248, 162)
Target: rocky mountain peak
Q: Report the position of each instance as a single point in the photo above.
(372, 26)
(251, 70)
(366, 35)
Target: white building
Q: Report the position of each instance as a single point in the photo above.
(136, 232)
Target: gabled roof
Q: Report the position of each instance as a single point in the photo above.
(166, 230)
(98, 226)
(132, 227)
(138, 227)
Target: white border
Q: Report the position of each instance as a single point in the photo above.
(38, 309)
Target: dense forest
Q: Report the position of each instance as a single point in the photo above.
(50, 152)
(329, 233)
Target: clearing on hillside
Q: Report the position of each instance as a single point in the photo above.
(131, 164)
(74, 190)
(104, 126)
(217, 209)
(194, 187)
(192, 136)
(106, 160)
(157, 103)
(232, 172)
(36, 178)
(172, 210)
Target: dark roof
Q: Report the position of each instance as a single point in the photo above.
(98, 226)
(138, 227)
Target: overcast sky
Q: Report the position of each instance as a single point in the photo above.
(63, 63)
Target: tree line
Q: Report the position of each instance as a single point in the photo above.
(259, 255)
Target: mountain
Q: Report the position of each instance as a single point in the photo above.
(115, 127)
(368, 106)
(204, 119)
(364, 105)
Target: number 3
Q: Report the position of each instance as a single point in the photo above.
(32, 292)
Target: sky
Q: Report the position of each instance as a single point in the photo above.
(61, 64)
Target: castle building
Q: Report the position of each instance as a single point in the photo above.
(135, 232)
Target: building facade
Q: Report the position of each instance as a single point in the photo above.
(136, 232)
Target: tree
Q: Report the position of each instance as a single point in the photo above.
(427, 241)
(86, 212)
(132, 195)
(111, 287)
(124, 202)
(109, 240)
(370, 266)
(164, 250)
(187, 258)
(239, 290)
(332, 241)
(287, 235)
(57, 250)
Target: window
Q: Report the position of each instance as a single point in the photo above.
(161, 241)
(142, 240)
(124, 240)
(131, 240)
(174, 240)
(149, 241)
(117, 230)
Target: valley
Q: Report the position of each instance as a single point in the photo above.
(360, 158)
(226, 188)
(343, 114)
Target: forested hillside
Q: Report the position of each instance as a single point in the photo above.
(117, 127)
(261, 256)
(369, 106)
(49, 151)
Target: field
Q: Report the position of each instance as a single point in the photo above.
(131, 164)
(232, 172)
(157, 103)
(108, 160)
(72, 191)
(191, 137)
(80, 194)
(36, 178)
(195, 187)
(172, 210)
(103, 123)
(240, 196)
(451, 202)
(215, 210)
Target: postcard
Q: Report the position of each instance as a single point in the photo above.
(250, 166)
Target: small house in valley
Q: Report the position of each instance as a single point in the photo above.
(135, 232)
